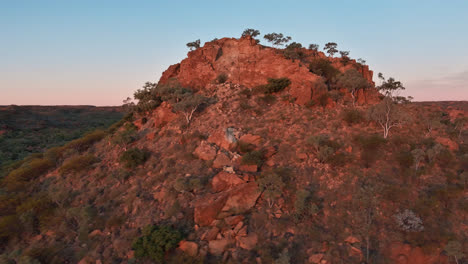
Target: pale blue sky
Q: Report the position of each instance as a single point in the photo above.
(99, 52)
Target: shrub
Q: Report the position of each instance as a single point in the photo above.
(253, 158)
(271, 183)
(86, 141)
(125, 137)
(294, 51)
(352, 116)
(222, 78)
(303, 205)
(409, 221)
(405, 159)
(245, 147)
(323, 147)
(323, 67)
(78, 163)
(323, 99)
(134, 157)
(370, 144)
(28, 171)
(147, 99)
(156, 242)
(275, 85)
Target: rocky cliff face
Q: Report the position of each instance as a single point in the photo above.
(249, 64)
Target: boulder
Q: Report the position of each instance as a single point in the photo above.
(224, 180)
(163, 115)
(224, 139)
(249, 168)
(205, 151)
(251, 139)
(316, 258)
(233, 220)
(217, 247)
(189, 247)
(236, 200)
(352, 240)
(248, 242)
(221, 160)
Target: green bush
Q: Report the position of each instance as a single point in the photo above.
(78, 163)
(86, 141)
(125, 137)
(323, 67)
(253, 158)
(352, 116)
(370, 145)
(28, 171)
(134, 157)
(156, 242)
(323, 146)
(275, 85)
(245, 147)
(303, 205)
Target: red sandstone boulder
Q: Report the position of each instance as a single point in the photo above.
(237, 200)
(221, 160)
(217, 247)
(205, 151)
(163, 115)
(251, 139)
(247, 242)
(224, 180)
(190, 248)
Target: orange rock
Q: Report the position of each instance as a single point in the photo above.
(189, 247)
(217, 247)
(163, 115)
(224, 180)
(249, 168)
(248, 242)
(223, 139)
(205, 151)
(233, 220)
(352, 240)
(245, 63)
(251, 139)
(237, 200)
(221, 160)
(316, 258)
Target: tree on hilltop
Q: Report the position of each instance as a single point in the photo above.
(345, 57)
(250, 32)
(314, 47)
(330, 47)
(194, 45)
(277, 39)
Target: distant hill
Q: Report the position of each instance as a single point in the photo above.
(33, 129)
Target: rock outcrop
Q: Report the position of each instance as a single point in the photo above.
(249, 64)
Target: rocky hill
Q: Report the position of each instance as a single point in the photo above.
(249, 154)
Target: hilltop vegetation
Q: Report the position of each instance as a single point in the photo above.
(243, 165)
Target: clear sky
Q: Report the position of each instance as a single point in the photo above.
(99, 52)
